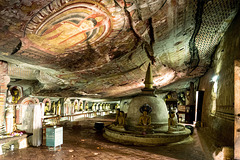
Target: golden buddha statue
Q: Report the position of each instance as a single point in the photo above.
(81, 107)
(76, 107)
(46, 108)
(15, 95)
(121, 119)
(54, 107)
(59, 108)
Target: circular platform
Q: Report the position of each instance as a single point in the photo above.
(130, 138)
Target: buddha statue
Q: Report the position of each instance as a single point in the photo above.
(59, 108)
(121, 119)
(81, 107)
(75, 107)
(15, 95)
(145, 119)
(46, 108)
(101, 108)
(119, 122)
(94, 107)
(173, 122)
(53, 108)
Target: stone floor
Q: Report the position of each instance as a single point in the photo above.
(83, 143)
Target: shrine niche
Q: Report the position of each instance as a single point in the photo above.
(67, 107)
(47, 106)
(62, 25)
(16, 93)
(26, 105)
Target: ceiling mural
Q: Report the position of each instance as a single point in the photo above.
(65, 25)
(101, 48)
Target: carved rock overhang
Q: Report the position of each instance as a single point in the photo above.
(102, 48)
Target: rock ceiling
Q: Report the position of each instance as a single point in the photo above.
(101, 48)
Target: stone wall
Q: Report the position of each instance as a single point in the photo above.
(218, 102)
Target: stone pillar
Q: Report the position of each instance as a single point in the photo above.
(4, 80)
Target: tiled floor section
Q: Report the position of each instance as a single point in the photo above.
(81, 142)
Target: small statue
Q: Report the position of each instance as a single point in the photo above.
(187, 97)
(145, 119)
(119, 122)
(173, 122)
(121, 119)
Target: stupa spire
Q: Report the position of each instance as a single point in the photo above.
(149, 78)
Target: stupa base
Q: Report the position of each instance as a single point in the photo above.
(141, 139)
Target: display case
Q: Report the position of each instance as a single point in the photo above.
(54, 137)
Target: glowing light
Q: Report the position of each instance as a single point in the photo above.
(215, 78)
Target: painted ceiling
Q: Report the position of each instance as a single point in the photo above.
(101, 48)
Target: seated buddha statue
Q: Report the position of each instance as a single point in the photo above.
(119, 123)
(15, 95)
(121, 119)
(173, 122)
(145, 119)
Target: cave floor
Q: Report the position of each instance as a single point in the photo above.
(82, 142)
